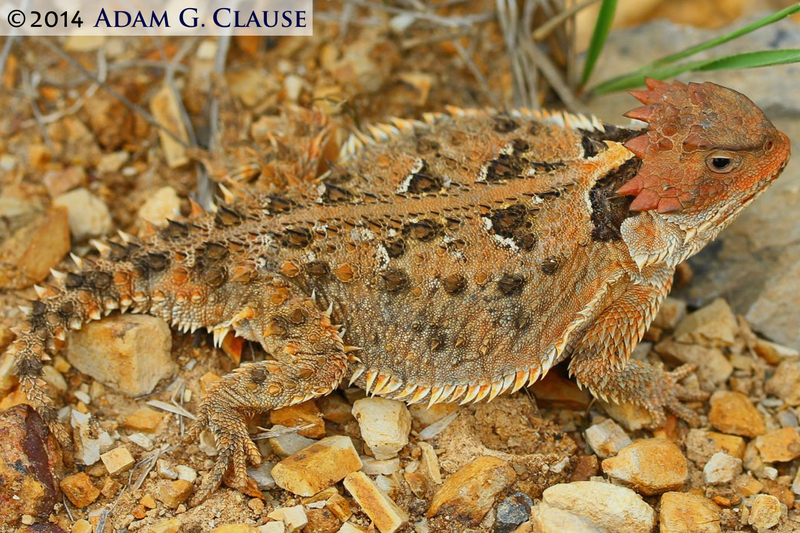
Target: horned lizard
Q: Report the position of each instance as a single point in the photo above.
(444, 260)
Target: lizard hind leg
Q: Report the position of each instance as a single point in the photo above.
(310, 361)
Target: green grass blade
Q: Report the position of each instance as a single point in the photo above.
(601, 28)
(657, 68)
(764, 58)
(760, 23)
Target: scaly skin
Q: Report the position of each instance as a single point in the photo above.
(445, 260)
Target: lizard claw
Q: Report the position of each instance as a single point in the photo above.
(233, 443)
(670, 395)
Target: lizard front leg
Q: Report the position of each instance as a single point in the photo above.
(601, 358)
(310, 361)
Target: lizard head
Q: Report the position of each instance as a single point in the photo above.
(707, 153)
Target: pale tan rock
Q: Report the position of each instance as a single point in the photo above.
(701, 444)
(173, 493)
(779, 446)
(143, 419)
(61, 181)
(421, 82)
(236, 528)
(471, 491)
(81, 526)
(27, 256)
(683, 512)
(783, 383)
(84, 43)
(429, 462)
(79, 489)
(347, 527)
(252, 86)
(340, 507)
(670, 313)
(712, 365)
(765, 512)
(732, 412)
(649, 466)
(112, 162)
(383, 512)
(130, 353)
(428, 415)
(318, 466)
(165, 109)
(88, 214)
(293, 517)
(712, 325)
(592, 506)
(630, 416)
(721, 469)
(289, 443)
(606, 438)
(375, 467)
(385, 425)
(335, 408)
(302, 414)
(773, 353)
(162, 205)
(118, 460)
(168, 526)
(272, 527)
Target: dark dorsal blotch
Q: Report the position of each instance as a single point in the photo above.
(592, 141)
(504, 167)
(394, 280)
(73, 281)
(511, 284)
(422, 181)
(423, 230)
(426, 145)
(506, 221)
(395, 248)
(227, 216)
(609, 210)
(214, 252)
(520, 146)
(119, 252)
(296, 237)
(280, 205)
(543, 166)
(157, 261)
(216, 277)
(536, 128)
(175, 230)
(454, 283)
(549, 265)
(526, 241)
(505, 124)
(102, 280)
(318, 269)
(335, 194)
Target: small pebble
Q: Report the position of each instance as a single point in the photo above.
(765, 512)
(721, 469)
(607, 438)
(512, 511)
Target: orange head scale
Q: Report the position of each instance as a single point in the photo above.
(708, 151)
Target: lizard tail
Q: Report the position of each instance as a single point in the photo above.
(74, 299)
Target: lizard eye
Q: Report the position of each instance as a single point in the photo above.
(722, 162)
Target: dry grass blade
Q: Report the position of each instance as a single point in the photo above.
(171, 408)
(544, 31)
(272, 433)
(127, 103)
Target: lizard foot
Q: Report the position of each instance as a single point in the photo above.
(666, 394)
(227, 423)
(650, 387)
